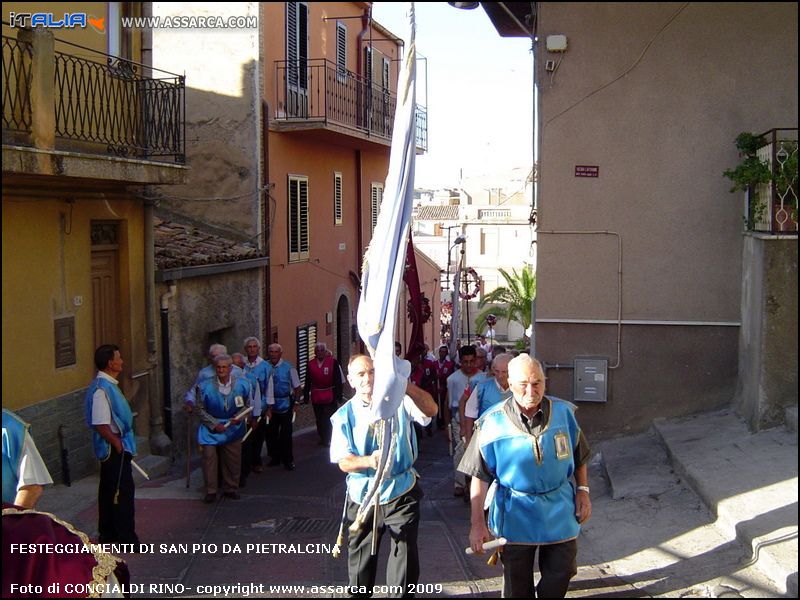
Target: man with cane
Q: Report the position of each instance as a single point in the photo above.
(531, 448)
(109, 415)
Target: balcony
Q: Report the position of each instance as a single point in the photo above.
(317, 95)
(96, 116)
(772, 206)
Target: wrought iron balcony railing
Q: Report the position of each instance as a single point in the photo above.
(16, 82)
(105, 102)
(318, 90)
(772, 206)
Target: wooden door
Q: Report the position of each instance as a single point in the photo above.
(105, 296)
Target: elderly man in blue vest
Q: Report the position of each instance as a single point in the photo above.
(206, 373)
(531, 448)
(485, 395)
(24, 471)
(283, 390)
(258, 370)
(355, 449)
(220, 401)
(109, 414)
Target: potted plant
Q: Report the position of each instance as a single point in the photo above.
(753, 172)
(749, 173)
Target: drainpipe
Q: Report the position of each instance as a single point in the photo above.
(159, 443)
(165, 359)
(366, 17)
(264, 193)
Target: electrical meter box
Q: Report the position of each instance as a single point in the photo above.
(591, 379)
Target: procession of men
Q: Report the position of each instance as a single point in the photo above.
(505, 431)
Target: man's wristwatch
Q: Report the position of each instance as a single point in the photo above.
(583, 488)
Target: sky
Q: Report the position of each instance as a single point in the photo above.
(479, 92)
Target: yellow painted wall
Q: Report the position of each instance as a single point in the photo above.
(33, 294)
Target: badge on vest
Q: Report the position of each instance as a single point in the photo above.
(239, 401)
(562, 446)
(325, 370)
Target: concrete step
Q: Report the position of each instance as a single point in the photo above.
(154, 466)
(748, 481)
(791, 418)
(636, 466)
(142, 445)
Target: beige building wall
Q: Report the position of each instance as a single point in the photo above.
(653, 94)
(223, 115)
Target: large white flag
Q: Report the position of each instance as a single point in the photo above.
(384, 262)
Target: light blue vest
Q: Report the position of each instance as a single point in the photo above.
(489, 394)
(223, 408)
(535, 501)
(282, 387)
(360, 436)
(14, 430)
(261, 374)
(120, 413)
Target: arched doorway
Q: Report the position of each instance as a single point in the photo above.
(343, 331)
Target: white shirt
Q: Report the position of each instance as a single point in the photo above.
(339, 445)
(101, 405)
(293, 376)
(457, 383)
(471, 410)
(32, 470)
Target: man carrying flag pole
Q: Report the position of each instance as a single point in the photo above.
(372, 438)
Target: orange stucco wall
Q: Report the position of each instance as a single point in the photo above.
(304, 292)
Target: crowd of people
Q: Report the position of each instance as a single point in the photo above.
(520, 457)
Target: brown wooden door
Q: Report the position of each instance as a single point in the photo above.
(105, 297)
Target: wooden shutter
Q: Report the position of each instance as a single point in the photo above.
(386, 74)
(297, 44)
(341, 51)
(376, 197)
(337, 198)
(298, 219)
(291, 42)
(306, 340)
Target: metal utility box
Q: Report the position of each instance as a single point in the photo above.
(591, 379)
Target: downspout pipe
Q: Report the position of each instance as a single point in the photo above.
(366, 18)
(165, 358)
(159, 442)
(264, 194)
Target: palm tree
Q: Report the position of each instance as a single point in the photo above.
(512, 301)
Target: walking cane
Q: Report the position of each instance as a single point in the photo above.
(189, 438)
(188, 448)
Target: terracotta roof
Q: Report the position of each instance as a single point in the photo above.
(437, 213)
(181, 245)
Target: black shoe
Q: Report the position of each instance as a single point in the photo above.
(232, 495)
(273, 463)
(290, 467)
(210, 498)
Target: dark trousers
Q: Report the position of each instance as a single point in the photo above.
(323, 414)
(279, 437)
(251, 449)
(256, 442)
(557, 565)
(116, 522)
(400, 518)
(442, 403)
